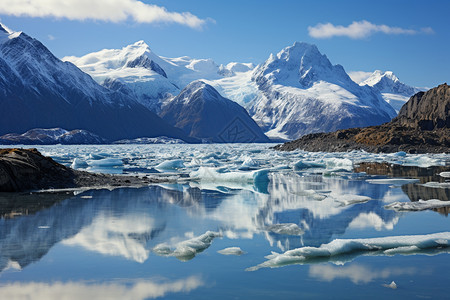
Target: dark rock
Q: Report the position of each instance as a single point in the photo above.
(27, 169)
(422, 126)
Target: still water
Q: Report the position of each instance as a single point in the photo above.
(194, 239)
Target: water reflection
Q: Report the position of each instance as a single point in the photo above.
(358, 273)
(129, 223)
(131, 289)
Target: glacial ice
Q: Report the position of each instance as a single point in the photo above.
(342, 248)
(417, 206)
(231, 251)
(445, 174)
(188, 249)
(432, 184)
(170, 165)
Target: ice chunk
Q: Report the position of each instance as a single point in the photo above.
(307, 165)
(393, 181)
(442, 185)
(106, 162)
(79, 164)
(417, 206)
(187, 250)
(347, 199)
(400, 153)
(408, 244)
(445, 174)
(392, 285)
(171, 165)
(231, 251)
(208, 174)
(286, 228)
(248, 164)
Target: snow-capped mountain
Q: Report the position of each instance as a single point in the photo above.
(137, 71)
(299, 91)
(37, 90)
(50, 136)
(393, 91)
(203, 113)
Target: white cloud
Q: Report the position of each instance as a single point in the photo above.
(357, 273)
(102, 10)
(51, 37)
(138, 289)
(359, 76)
(359, 30)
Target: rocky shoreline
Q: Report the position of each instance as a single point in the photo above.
(422, 126)
(27, 169)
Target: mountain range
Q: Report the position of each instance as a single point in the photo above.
(134, 93)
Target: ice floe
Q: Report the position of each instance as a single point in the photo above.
(418, 206)
(286, 228)
(208, 174)
(231, 251)
(187, 250)
(343, 248)
(445, 174)
(442, 185)
(393, 181)
(171, 165)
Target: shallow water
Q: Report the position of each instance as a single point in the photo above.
(162, 241)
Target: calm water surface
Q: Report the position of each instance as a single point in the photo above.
(162, 241)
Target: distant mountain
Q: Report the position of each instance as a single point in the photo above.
(299, 91)
(52, 136)
(37, 90)
(422, 126)
(201, 112)
(393, 91)
(137, 71)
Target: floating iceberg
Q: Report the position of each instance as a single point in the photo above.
(412, 244)
(287, 229)
(170, 165)
(445, 174)
(393, 181)
(231, 251)
(208, 174)
(187, 250)
(417, 206)
(441, 185)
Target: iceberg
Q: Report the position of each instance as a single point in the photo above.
(432, 184)
(286, 228)
(393, 181)
(187, 250)
(209, 174)
(231, 251)
(417, 206)
(171, 165)
(445, 174)
(342, 248)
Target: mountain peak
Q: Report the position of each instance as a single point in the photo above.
(387, 82)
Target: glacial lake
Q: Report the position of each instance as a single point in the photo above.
(234, 222)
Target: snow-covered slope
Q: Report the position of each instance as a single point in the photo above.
(37, 90)
(394, 92)
(137, 71)
(300, 92)
(203, 113)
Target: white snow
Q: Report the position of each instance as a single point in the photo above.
(379, 246)
(392, 285)
(418, 206)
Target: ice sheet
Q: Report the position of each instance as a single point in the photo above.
(410, 244)
(418, 206)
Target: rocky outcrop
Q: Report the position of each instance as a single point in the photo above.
(27, 169)
(422, 126)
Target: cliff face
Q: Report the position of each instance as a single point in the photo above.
(422, 126)
(427, 111)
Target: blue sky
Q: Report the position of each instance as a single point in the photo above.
(411, 38)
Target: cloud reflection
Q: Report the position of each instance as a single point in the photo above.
(138, 289)
(356, 273)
